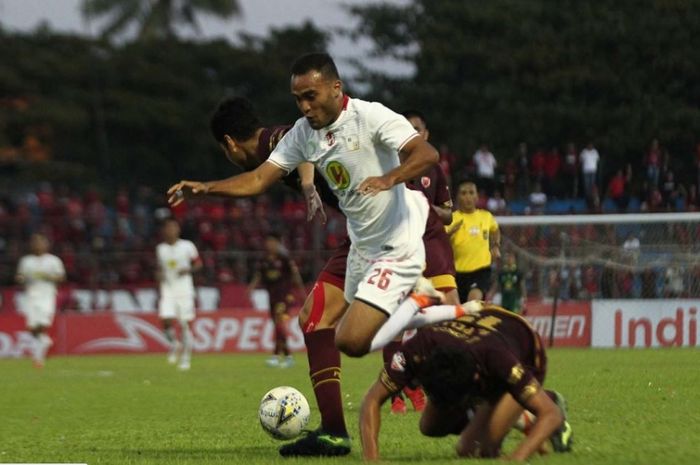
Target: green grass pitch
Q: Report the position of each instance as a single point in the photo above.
(626, 407)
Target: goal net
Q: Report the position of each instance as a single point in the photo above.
(581, 257)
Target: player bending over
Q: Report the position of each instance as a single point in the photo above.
(491, 363)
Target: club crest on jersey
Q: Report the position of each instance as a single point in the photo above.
(338, 175)
(330, 138)
(398, 362)
(353, 142)
(425, 182)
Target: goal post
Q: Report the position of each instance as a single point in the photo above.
(608, 256)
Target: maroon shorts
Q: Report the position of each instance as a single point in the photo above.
(334, 271)
(439, 260)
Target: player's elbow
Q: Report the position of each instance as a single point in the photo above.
(430, 154)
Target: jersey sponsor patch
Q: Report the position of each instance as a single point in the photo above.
(338, 175)
(398, 362)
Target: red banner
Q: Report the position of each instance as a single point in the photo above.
(572, 325)
(224, 331)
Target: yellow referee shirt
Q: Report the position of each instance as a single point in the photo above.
(470, 242)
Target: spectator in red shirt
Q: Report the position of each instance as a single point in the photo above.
(652, 162)
(617, 190)
(552, 164)
(537, 164)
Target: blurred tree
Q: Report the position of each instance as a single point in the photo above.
(139, 112)
(155, 18)
(545, 71)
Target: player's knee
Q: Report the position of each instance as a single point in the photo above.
(351, 347)
(475, 294)
(304, 315)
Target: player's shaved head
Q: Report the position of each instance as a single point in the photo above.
(321, 62)
(234, 117)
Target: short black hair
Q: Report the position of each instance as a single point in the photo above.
(415, 114)
(321, 62)
(448, 375)
(235, 117)
(467, 181)
(274, 235)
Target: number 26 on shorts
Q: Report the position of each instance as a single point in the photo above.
(381, 277)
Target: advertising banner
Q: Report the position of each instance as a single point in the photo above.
(572, 325)
(109, 332)
(645, 323)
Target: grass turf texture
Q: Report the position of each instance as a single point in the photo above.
(626, 406)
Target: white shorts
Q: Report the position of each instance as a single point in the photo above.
(176, 307)
(39, 311)
(383, 281)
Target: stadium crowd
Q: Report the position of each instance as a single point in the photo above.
(108, 240)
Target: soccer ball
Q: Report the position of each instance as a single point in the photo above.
(284, 412)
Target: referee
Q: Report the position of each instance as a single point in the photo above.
(475, 241)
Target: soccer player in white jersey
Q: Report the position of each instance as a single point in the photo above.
(39, 272)
(177, 260)
(355, 145)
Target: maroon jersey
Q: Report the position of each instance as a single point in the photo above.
(507, 352)
(439, 257)
(433, 185)
(268, 140)
(275, 276)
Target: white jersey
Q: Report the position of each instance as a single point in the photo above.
(173, 259)
(364, 141)
(36, 269)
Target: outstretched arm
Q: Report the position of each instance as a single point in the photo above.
(370, 420)
(243, 185)
(418, 156)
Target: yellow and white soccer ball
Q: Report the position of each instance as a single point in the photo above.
(284, 412)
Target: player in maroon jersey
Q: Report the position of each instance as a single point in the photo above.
(274, 272)
(491, 363)
(247, 143)
(440, 268)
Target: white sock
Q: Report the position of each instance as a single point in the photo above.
(408, 316)
(186, 341)
(434, 314)
(37, 349)
(525, 422)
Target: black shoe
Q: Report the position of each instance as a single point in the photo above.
(563, 438)
(317, 444)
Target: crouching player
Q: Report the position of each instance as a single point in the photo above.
(480, 372)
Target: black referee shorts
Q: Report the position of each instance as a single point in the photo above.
(477, 279)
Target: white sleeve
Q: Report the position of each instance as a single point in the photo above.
(289, 152)
(22, 266)
(58, 267)
(194, 254)
(159, 259)
(388, 127)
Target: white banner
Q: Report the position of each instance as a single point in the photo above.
(645, 323)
